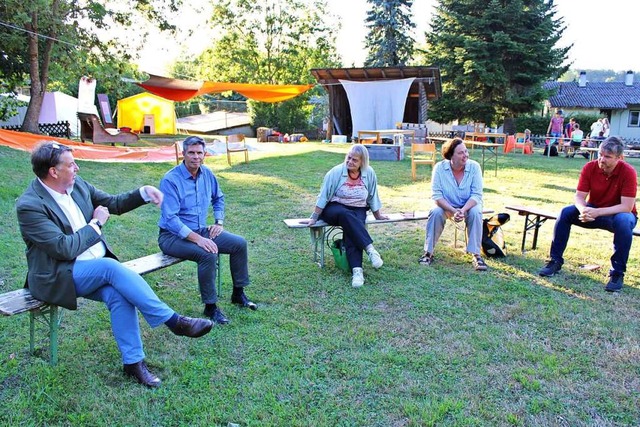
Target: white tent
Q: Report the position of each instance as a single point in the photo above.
(60, 107)
(56, 107)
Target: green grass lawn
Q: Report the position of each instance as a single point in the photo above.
(416, 346)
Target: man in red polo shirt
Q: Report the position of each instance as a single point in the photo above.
(605, 199)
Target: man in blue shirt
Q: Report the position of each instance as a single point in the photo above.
(188, 190)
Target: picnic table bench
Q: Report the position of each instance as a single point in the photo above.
(321, 229)
(534, 218)
(21, 301)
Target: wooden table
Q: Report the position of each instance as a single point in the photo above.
(438, 140)
(593, 151)
(377, 134)
(492, 147)
(475, 135)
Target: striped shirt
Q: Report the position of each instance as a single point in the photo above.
(445, 186)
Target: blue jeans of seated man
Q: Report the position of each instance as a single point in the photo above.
(355, 236)
(435, 225)
(122, 291)
(621, 225)
(228, 243)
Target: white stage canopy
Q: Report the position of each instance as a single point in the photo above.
(376, 105)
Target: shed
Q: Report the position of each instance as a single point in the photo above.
(424, 87)
(132, 111)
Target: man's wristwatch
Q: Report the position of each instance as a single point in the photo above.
(219, 222)
(97, 222)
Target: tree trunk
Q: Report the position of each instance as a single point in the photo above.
(39, 74)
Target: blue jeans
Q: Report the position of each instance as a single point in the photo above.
(355, 236)
(621, 225)
(228, 243)
(122, 291)
(554, 136)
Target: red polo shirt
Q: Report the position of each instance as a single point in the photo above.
(605, 191)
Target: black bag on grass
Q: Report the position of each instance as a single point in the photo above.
(554, 151)
(492, 237)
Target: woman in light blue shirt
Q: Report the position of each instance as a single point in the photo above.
(348, 191)
(456, 187)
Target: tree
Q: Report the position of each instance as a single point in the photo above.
(494, 57)
(37, 33)
(268, 41)
(388, 44)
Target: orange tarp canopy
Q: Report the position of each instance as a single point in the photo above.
(183, 90)
(27, 141)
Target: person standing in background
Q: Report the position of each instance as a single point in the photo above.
(605, 127)
(556, 126)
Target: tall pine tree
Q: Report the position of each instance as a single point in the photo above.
(494, 57)
(388, 42)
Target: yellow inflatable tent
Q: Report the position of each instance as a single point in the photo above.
(147, 110)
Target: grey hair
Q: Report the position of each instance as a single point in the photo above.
(192, 140)
(613, 145)
(360, 151)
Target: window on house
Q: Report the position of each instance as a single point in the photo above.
(634, 118)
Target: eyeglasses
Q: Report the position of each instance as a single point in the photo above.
(56, 152)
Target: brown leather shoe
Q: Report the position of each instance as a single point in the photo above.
(192, 327)
(142, 374)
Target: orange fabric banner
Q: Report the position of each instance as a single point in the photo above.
(183, 90)
(85, 151)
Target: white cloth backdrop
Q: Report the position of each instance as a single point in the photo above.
(87, 96)
(376, 105)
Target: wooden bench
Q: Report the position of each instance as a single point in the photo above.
(21, 301)
(321, 229)
(534, 218)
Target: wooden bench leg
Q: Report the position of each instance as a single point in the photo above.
(455, 235)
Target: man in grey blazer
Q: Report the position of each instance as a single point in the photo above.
(61, 218)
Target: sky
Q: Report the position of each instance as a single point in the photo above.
(603, 33)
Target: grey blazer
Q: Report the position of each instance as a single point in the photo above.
(52, 246)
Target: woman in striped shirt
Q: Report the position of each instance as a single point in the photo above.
(456, 187)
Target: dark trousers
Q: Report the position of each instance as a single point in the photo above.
(621, 225)
(228, 243)
(354, 233)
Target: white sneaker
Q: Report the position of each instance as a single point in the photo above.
(375, 258)
(358, 277)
